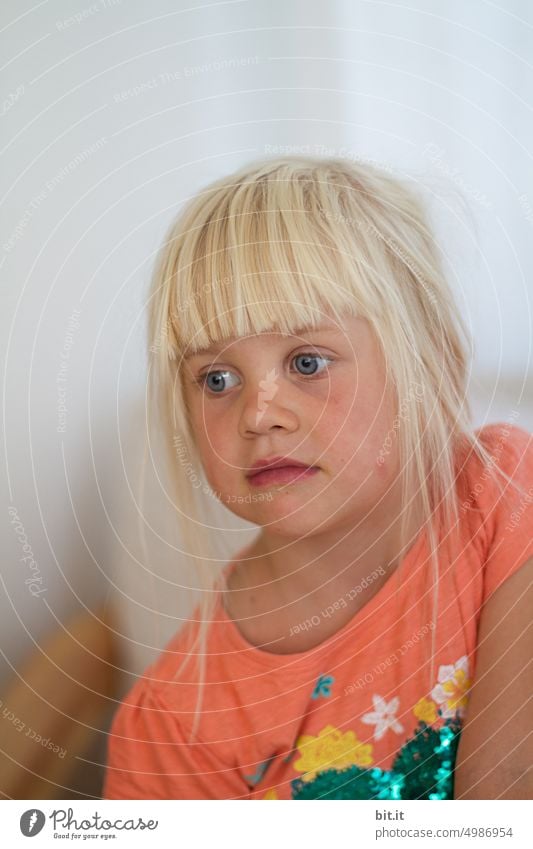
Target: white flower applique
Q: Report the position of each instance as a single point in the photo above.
(451, 693)
(384, 716)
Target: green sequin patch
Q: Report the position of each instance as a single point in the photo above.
(422, 769)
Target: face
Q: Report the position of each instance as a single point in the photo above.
(320, 397)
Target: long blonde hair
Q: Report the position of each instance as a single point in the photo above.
(275, 244)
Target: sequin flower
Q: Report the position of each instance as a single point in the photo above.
(331, 749)
(383, 717)
(451, 693)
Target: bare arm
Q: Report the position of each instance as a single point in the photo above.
(495, 754)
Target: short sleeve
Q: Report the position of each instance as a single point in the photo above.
(150, 757)
(507, 513)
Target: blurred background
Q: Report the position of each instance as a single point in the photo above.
(113, 114)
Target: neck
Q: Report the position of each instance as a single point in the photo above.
(323, 566)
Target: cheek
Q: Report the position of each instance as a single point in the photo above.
(211, 433)
(361, 415)
(360, 429)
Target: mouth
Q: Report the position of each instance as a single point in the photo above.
(282, 474)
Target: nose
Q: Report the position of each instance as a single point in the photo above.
(267, 405)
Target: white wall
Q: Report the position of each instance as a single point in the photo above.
(110, 122)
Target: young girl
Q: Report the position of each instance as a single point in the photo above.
(370, 643)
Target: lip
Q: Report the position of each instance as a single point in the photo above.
(275, 463)
(281, 475)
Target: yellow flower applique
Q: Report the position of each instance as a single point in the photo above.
(452, 691)
(332, 749)
(426, 710)
(271, 794)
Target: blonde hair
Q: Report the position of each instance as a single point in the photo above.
(274, 245)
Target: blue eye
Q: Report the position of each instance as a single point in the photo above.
(310, 357)
(218, 377)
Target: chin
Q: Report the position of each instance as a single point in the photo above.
(288, 518)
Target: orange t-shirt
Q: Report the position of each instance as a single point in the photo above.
(355, 717)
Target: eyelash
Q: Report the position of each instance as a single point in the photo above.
(201, 381)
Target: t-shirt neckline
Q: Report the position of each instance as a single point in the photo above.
(309, 656)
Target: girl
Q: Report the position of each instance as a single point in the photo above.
(370, 642)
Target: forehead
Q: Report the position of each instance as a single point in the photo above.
(325, 325)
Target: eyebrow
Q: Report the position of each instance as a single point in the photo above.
(308, 329)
